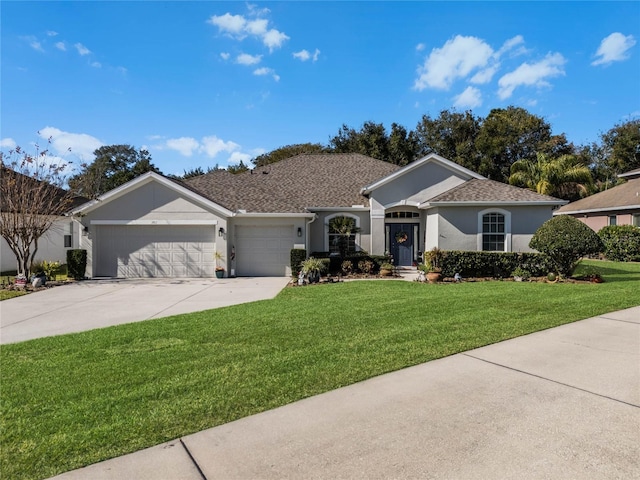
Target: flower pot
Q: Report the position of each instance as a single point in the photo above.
(385, 272)
(219, 273)
(433, 277)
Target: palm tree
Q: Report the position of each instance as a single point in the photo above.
(341, 228)
(563, 177)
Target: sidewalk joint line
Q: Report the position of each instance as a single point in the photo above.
(552, 381)
(155, 315)
(193, 460)
(618, 320)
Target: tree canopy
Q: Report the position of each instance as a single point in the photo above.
(113, 166)
(32, 198)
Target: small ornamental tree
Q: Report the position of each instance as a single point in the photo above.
(32, 198)
(565, 240)
(621, 242)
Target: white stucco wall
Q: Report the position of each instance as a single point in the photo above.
(50, 246)
(456, 228)
(319, 228)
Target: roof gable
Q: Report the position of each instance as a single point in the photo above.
(461, 171)
(145, 179)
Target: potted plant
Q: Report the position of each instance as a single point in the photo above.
(433, 262)
(312, 268)
(519, 274)
(386, 269)
(219, 269)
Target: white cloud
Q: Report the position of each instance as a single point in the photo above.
(213, 145)
(184, 145)
(274, 39)
(61, 46)
(78, 144)
(246, 59)
(456, 59)
(51, 33)
(470, 98)
(485, 76)
(33, 43)
(96, 64)
(8, 143)
(230, 24)
(238, 27)
(534, 74)
(225, 55)
(304, 55)
(614, 48)
(237, 157)
(420, 47)
(510, 45)
(82, 50)
(267, 71)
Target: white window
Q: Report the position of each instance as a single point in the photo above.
(494, 230)
(335, 227)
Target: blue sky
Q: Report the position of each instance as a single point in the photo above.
(206, 83)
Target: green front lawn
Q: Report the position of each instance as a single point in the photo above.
(77, 399)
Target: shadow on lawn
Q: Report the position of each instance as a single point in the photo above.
(612, 274)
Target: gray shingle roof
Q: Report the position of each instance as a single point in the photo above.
(477, 190)
(294, 184)
(622, 196)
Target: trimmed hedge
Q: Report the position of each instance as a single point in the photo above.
(297, 256)
(621, 242)
(494, 264)
(76, 263)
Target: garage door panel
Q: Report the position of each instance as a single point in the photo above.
(155, 251)
(263, 250)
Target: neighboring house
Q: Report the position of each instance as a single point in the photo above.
(619, 205)
(154, 226)
(53, 245)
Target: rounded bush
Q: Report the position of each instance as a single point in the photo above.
(621, 242)
(565, 240)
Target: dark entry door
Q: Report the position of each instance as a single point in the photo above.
(401, 243)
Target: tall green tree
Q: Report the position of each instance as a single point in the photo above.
(113, 166)
(506, 136)
(371, 140)
(451, 135)
(622, 144)
(288, 151)
(563, 177)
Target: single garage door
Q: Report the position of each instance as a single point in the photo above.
(263, 251)
(155, 251)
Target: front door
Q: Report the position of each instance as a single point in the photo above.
(401, 241)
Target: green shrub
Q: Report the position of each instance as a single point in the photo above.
(347, 267)
(493, 264)
(297, 256)
(366, 266)
(76, 263)
(621, 242)
(566, 240)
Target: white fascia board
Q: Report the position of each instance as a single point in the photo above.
(273, 215)
(353, 208)
(596, 210)
(154, 222)
(143, 180)
(432, 157)
(492, 204)
(402, 203)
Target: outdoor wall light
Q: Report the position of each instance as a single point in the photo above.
(299, 231)
(220, 232)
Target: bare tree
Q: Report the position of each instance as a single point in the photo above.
(32, 198)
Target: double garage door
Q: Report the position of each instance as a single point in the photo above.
(155, 251)
(263, 251)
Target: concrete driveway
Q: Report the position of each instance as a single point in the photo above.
(102, 303)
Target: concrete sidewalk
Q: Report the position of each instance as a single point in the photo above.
(561, 403)
(103, 303)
